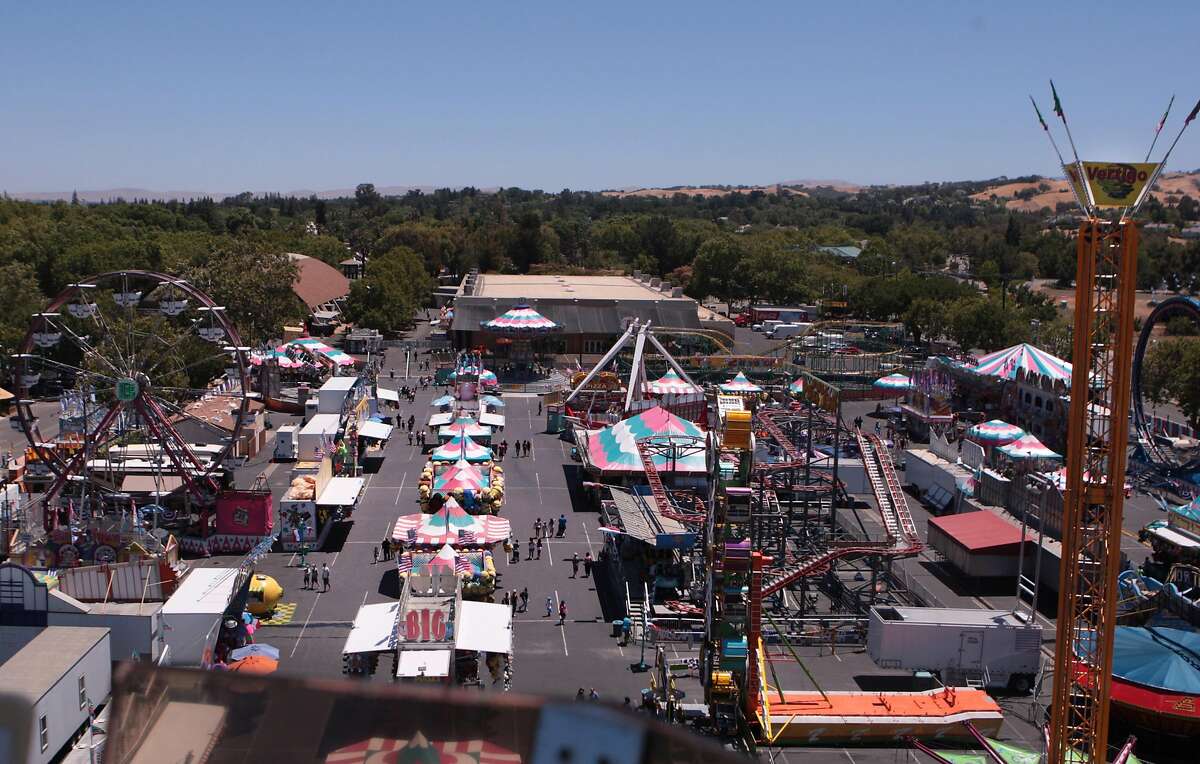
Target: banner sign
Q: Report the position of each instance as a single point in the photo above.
(1112, 184)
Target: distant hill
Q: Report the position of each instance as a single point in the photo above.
(1169, 184)
(109, 194)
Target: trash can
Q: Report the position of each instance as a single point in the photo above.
(616, 632)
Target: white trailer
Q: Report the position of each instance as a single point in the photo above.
(967, 646)
(287, 443)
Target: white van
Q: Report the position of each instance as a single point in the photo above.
(766, 327)
(787, 331)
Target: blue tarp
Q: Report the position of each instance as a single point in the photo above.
(1163, 658)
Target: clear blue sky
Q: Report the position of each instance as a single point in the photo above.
(305, 95)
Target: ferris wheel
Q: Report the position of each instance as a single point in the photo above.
(143, 366)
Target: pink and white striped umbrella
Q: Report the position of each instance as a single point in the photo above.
(740, 384)
(670, 384)
(520, 320)
(995, 432)
(1027, 447)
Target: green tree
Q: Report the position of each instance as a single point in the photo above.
(925, 319)
(395, 286)
(716, 271)
(255, 288)
(21, 298)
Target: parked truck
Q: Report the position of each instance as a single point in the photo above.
(963, 647)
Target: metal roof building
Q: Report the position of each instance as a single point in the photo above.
(591, 310)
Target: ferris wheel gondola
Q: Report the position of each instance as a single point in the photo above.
(137, 353)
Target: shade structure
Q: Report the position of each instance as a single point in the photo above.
(320, 349)
(444, 400)
(1027, 447)
(1033, 360)
(461, 447)
(896, 383)
(994, 432)
(460, 476)
(492, 401)
(614, 448)
(740, 384)
(280, 358)
(670, 384)
(519, 321)
(465, 426)
(450, 525)
(797, 386)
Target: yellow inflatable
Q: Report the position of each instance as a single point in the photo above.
(265, 593)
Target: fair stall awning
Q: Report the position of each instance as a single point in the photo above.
(376, 430)
(489, 419)
(373, 630)
(484, 627)
(1172, 536)
(384, 394)
(413, 664)
(441, 419)
(341, 491)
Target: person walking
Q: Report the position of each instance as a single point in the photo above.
(549, 607)
(504, 601)
(593, 695)
(530, 555)
(386, 546)
(562, 612)
(374, 555)
(524, 598)
(539, 407)
(537, 528)
(528, 447)
(539, 547)
(574, 564)
(410, 437)
(562, 524)
(306, 578)
(325, 576)
(579, 695)
(587, 565)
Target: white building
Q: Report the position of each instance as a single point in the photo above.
(48, 677)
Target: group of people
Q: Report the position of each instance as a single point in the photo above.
(518, 602)
(314, 577)
(418, 438)
(521, 446)
(543, 531)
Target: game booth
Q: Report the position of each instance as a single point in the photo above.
(431, 634)
(315, 500)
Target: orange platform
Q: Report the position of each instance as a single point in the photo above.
(801, 718)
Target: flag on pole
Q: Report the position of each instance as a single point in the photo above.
(461, 564)
(1192, 116)
(1058, 109)
(1039, 114)
(405, 563)
(1163, 121)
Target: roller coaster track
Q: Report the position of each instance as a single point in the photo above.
(1178, 305)
(903, 539)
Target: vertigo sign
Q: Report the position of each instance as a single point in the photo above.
(1111, 184)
